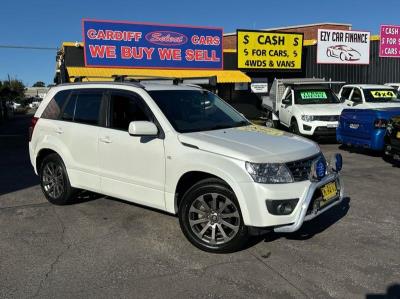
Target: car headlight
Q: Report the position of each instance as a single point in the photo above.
(269, 173)
(308, 118)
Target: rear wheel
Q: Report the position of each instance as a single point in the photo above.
(54, 181)
(210, 217)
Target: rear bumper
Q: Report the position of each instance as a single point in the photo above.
(375, 141)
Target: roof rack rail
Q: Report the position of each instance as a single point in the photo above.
(208, 80)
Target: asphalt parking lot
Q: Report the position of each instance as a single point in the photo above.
(103, 247)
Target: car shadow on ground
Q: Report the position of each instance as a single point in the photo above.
(370, 153)
(309, 228)
(16, 172)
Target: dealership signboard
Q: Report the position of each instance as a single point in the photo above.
(343, 46)
(390, 41)
(261, 50)
(124, 44)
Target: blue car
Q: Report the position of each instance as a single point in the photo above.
(364, 128)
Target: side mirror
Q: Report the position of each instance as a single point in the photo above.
(286, 102)
(142, 128)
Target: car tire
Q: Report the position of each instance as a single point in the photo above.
(54, 181)
(294, 127)
(343, 57)
(211, 219)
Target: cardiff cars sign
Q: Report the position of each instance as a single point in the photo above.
(125, 44)
(343, 47)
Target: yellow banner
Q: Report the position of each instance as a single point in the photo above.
(383, 94)
(269, 50)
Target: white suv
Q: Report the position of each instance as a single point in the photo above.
(180, 149)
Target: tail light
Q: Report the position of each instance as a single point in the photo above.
(34, 121)
(380, 124)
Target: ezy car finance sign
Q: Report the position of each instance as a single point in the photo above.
(343, 47)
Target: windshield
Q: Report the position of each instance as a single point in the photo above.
(381, 95)
(315, 96)
(196, 110)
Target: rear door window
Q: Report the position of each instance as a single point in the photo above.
(84, 107)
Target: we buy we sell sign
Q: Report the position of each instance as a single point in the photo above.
(124, 44)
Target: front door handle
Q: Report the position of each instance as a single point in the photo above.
(105, 139)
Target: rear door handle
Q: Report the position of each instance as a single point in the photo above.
(59, 130)
(105, 139)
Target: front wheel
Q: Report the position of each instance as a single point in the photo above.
(210, 217)
(54, 181)
(294, 127)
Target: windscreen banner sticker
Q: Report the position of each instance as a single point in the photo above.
(269, 50)
(123, 44)
(319, 95)
(343, 46)
(389, 45)
(387, 94)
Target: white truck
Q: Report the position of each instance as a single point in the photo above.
(306, 106)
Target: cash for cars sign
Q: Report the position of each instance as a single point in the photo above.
(390, 41)
(343, 47)
(123, 44)
(269, 50)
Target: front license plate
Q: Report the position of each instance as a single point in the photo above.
(329, 191)
(398, 135)
(332, 125)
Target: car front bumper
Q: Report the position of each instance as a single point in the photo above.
(318, 128)
(256, 214)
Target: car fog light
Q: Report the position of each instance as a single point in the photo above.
(337, 162)
(282, 206)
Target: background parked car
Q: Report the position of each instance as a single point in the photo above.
(364, 128)
(369, 96)
(392, 138)
(395, 86)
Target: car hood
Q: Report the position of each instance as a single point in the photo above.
(321, 109)
(252, 143)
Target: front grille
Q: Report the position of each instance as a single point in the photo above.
(327, 117)
(300, 169)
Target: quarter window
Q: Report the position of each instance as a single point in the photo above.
(126, 107)
(56, 104)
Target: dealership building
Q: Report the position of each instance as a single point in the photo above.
(235, 84)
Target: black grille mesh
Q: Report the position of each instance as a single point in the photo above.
(300, 169)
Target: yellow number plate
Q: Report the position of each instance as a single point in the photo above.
(398, 135)
(329, 191)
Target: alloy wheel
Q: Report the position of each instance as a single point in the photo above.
(214, 218)
(53, 180)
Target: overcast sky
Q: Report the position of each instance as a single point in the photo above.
(48, 23)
